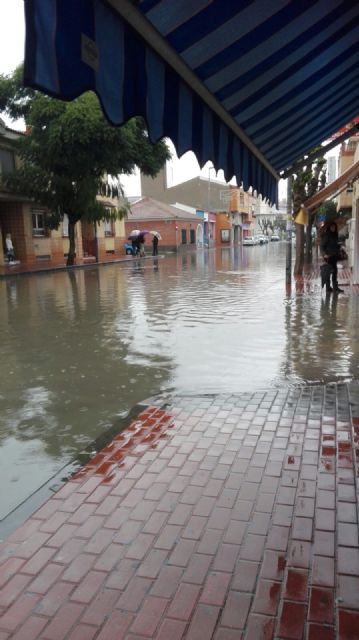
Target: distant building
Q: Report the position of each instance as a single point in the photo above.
(267, 217)
(199, 192)
(236, 210)
(178, 227)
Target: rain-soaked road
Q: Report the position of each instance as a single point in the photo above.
(80, 349)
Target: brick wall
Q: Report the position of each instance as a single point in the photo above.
(12, 221)
(170, 230)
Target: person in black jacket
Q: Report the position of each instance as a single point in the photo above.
(155, 245)
(330, 249)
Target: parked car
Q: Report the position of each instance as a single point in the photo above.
(249, 240)
(262, 239)
(275, 238)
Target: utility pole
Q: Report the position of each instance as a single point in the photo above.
(288, 264)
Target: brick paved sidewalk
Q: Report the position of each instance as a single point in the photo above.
(222, 517)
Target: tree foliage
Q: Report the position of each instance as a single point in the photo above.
(305, 183)
(266, 224)
(67, 151)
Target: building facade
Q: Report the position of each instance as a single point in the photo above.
(179, 229)
(35, 245)
(352, 244)
(238, 213)
(346, 159)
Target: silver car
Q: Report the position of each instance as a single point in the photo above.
(249, 240)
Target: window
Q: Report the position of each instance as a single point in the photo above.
(65, 226)
(225, 235)
(184, 236)
(241, 199)
(192, 235)
(108, 226)
(38, 223)
(7, 161)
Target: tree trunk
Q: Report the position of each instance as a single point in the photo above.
(308, 242)
(72, 247)
(299, 250)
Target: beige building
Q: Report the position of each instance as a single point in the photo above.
(35, 245)
(346, 160)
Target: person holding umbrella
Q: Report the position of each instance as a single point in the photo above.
(330, 248)
(155, 239)
(135, 247)
(141, 244)
(137, 238)
(155, 245)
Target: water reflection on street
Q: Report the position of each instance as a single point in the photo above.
(80, 349)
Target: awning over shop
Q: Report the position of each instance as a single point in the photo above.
(332, 189)
(249, 85)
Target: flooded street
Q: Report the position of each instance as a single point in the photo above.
(79, 349)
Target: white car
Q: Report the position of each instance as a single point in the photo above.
(275, 238)
(249, 240)
(262, 239)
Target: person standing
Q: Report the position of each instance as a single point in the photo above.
(135, 247)
(155, 245)
(141, 241)
(9, 247)
(330, 248)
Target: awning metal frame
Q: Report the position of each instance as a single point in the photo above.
(349, 175)
(325, 148)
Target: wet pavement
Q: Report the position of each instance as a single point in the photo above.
(225, 517)
(79, 349)
(212, 514)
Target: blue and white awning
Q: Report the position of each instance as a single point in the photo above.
(249, 84)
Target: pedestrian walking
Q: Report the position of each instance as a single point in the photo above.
(155, 245)
(331, 251)
(141, 244)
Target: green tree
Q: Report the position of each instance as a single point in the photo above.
(305, 183)
(266, 224)
(68, 149)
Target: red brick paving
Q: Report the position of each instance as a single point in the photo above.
(224, 517)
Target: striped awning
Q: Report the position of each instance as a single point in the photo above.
(249, 84)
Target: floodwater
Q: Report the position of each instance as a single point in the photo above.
(79, 349)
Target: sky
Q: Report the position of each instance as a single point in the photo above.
(12, 39)
(12, 34)
(12, 42)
